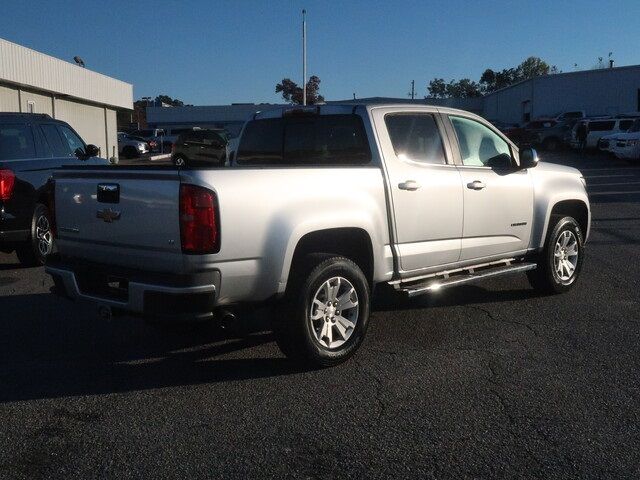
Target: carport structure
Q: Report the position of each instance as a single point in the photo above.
(32, 82)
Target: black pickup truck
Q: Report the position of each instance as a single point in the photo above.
(31, 147)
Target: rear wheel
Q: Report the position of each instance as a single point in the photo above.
(40, 245)
(326, 317)
(179, 161)
(560, 262)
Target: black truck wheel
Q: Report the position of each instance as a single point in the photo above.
(560, 261)
(325, 319)
(41, 242)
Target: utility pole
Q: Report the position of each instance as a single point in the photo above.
(413, 89)
(304, 57)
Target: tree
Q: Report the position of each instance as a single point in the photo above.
(464, 88)
(174, 102)
(532, 67)
(492, 80)
(437, 88)
(292, 93)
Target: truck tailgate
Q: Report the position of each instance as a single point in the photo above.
(120, 216)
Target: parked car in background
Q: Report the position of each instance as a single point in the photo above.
(318, 207)
(513, 131)
(598, 128)
(627, 145)
(550, 135)
(200, 147)
(31, 147)
(130, 146)
(155, 138)
(571, 115)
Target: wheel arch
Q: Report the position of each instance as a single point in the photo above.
(573, 207)
(353, 243)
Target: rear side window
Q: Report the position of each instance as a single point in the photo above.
(305, 140)
(16, 142)
(415, 137)
(601, 126)
(54, 140)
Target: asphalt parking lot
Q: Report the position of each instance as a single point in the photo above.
(479, 381)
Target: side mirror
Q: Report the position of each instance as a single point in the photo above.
(528, 158)
(91, 151)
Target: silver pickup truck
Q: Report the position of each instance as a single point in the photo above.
(318, 206)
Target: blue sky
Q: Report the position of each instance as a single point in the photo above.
(209, 52)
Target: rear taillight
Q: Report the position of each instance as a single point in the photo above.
(7, 182)
(199, 220)
(173, 148)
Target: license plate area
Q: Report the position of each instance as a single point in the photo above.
(104, 286)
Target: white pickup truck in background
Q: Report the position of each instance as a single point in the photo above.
(318, 206)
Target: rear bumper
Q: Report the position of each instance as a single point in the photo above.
(136, 292)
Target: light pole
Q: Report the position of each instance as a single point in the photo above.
(304, 57)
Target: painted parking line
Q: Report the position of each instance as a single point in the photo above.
(607, 176)
(589, 185)
(631, 192)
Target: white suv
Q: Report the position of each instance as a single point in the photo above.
(627, 145)
(599, 128)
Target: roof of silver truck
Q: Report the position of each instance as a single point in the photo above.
(328, 109)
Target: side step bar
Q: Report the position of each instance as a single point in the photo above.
(468, 275)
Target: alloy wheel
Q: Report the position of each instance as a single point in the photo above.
(334, 312)
(565, 255)
(44, 235)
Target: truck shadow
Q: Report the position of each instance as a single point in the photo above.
(388, 300)
(49, 349)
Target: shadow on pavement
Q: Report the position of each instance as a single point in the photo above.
(48, 350)
(386, 299)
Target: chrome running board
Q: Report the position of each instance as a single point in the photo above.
(462, 276)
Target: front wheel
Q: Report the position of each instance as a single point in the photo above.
(560, 262)
(327, 315)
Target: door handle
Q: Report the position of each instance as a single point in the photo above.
(410, 185)
(476, 185)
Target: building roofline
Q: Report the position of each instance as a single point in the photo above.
(579, 72)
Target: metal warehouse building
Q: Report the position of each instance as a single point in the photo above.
(231, 117)
(33, 82)
(609, 91)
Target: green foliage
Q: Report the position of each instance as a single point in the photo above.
(292, 93)
(174, 102)
(490, 80)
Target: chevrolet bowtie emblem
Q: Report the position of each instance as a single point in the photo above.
(108, 215)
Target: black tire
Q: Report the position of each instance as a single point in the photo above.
(41, 242)
(295, 333)
(129, 152)
(179, 161)
(545, 278)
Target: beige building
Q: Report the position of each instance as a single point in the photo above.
(33, 82)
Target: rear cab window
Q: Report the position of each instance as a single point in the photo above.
(305, 140)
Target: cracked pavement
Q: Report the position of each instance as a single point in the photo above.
(479, 381)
